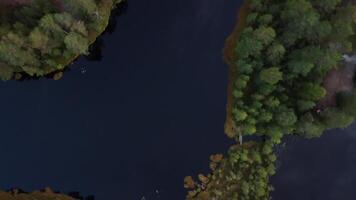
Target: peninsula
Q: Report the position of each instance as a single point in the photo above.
(291, 71)
(41, 37)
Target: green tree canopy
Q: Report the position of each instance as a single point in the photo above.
(76, 43)
(271, 75)
(312, 92)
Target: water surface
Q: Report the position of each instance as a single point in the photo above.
(323, 168)
(148, 114)
(134, 124)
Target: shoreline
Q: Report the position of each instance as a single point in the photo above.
(47, 193)
(106, 10)
(229, 58)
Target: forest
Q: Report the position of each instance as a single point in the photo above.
(288, 58)
(40, 37)
(284, 54)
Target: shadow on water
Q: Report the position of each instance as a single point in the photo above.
(78, 196)
(121, 9)
(95, 49)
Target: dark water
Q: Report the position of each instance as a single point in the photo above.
(134, 124)
(150, 113)
(323, 168)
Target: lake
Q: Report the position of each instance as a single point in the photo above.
(149, 113)
(134, 124)
(322, 168)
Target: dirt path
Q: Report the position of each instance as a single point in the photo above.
(337, 80)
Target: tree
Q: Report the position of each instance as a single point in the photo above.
(275, 133)
(267, 148)
(237, 93)
(347, 102)
(326, 5)
(248, 45)
(76, 43)
(336, 118)
(271, 169)
(298, 16)
(13, 54)
(80, 8)
(265, 19)
(319, 31)
(309, 127)
(271, 75)
(243, 66)
(265, 35)
(265, 116)
(275, 53)
(251, 18)
(239, 115)
(49, 25)
(240, 83)
(300, 67)
(6, 72)
(245, 188)
(39, 40)
(249, 129)
(327, 60)
(79, 27)
(305, 105)
(312, 92)
(313, 130)
(302, 61)
(256, 5)
(286, 117)
(266, 88)
(342, 28)
(65, 20)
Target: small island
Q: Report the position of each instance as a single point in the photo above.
(291, 71)
(45, 194)
(42, 37)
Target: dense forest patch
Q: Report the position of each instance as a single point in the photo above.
(288, 75)
(244, 172)
(284, 55)
(39, 37)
